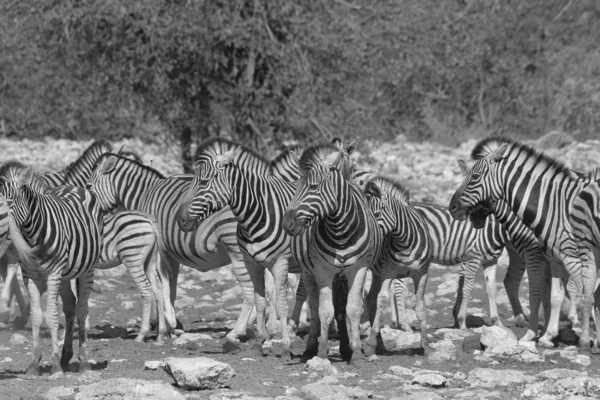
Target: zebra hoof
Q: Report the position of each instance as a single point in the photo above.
(545, 341)
(307, 355)
(595, 348)
(33, 370)
(140, 338)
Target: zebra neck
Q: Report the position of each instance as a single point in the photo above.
(401, 233)
(30, 217)
(347, 223)
(131, 190)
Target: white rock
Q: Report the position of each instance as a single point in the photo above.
(400, 370)
(493, 336)
(488, 377)
(421, 395)
(333, 392)
(443, 351)
(153, 365)
(88, 377)
(7, 359)
(582, 359)
(582, 385)
(394, 339)
(17, 339)
(191, 337)
(447, 287)
(118, 388)
(319, 364)
(432, 380)
(198, 373)
(560, 373)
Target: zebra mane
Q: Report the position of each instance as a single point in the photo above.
(393, 188)
(315, 155)
(287, 154)
(10, 170)
(127, 161)
(217, 146)
(94, 150)
(487, 145)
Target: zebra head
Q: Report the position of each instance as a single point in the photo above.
(17, 181)
(325, 172)
(101, 182)
(482, 184)
(385, 196)
(210, 190)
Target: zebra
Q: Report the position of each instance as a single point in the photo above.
(406, 250)
(585, 217)
(230, 175)
(540, 191)
(455, 242)
(335, 237)
(120, 182)
(58, 236)
(10, 285)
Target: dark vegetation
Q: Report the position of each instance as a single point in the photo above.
(269, 71)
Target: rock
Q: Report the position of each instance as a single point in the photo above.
(447, 287)
(493, 336)
(133, 322)
(198, 373)
(127, 305)
(272, 347)
(394, 339)
(431, 380)
(400, 371)
(333, 392)
(118, 388)
(444, 350)
(7, 359)
(17, 340)
(419, 396)
(230, 347)
(471, 343)
(319, 364)
(372, 358)
(582, 359)
(153, 365)
(459, 376)
(186, 338)
(488, 377)
(582, 385)
(89, 376)
(452, 334)
(536, 390)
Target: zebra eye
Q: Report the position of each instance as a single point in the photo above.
(476, 175)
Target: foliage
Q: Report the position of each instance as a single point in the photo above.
(269, 72)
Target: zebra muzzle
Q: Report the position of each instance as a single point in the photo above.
(291, 225)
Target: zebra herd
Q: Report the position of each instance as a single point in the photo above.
(309, 212)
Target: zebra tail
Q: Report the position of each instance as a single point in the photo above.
(24, 250)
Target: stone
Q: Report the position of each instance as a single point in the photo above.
(471, 343)
(272, 347)
(186, 338)
(7, 359)
(323, 365)
(582, 359)
(333, 392)
(430, 380)
(230, 347)
(443, 351)
(582, 385)
(561, 373)
(117, 388)
(493, 336)
(89, 376)
(400, 371)
(488, 377)
(419, 396)
(17, 340)
(153, 365)
(394, 339)
(459, 376)
(198, 373)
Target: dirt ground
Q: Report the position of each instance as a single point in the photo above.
(212, 310)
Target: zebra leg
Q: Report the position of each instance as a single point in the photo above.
(374, 290)
(6, 295)
(280, 276)
(399, 304)
(54, 288)
(466, 280)
(356, 280)
(596, 346)
(489, 272)
(589, 274)
(557, 296)
(16, 289)
(34, 289)
(572, 264)
(152, 274)
(84, 284)
(512, 282)
(271, 291)
(382, 300)
(420, 282)
(141, 272)
(325, 282)
(164, 287)
(69, 303)
(312, 343)
(170, 267)
(257, 275)
(301, 296)
(241, 273)
(536, 266)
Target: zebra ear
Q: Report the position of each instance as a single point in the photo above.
(337, 142)
(497, 154)
(107, 165)
(26, 176)
(463, 166)
(371, 189)
(351, 147)
(227, 157)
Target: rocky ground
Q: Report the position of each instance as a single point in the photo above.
(457, 366)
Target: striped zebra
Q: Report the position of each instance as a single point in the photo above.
(406, 251)
(585, 217)
(335, 237)
(540, 191)
(11, 286)
(230, 175)
(58, 235)
(121, 182)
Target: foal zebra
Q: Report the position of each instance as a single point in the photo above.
(406, 250)
(121, 182)
(540, 191)
(334, 236)
(62, 230)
